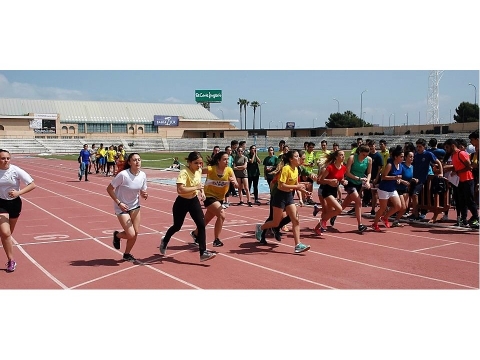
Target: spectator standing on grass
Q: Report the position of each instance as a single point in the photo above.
(111, 156)
(219, 177)
(10, 202)
(101, 151)
(282, 199)
(93, 158)
(125, 190)
(270, 164)
(189, 189)
(240, 163)
(84, 162)
(281, 145)
(253, 172)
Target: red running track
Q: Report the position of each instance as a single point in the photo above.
(63, 241)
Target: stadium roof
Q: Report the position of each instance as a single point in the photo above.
(72, 111)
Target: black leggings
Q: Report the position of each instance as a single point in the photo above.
(286, 220)
(180, 208)
(254, 180)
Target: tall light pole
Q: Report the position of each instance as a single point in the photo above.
(389, 119)
(338, 105)
(223, 117)
(475, 92)
(269, 124)
(407, 119)
(361, 106)
(261, 113)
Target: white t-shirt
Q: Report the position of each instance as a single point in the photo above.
(127, 188)
(10, 180)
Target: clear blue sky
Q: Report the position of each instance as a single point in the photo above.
(290, 95)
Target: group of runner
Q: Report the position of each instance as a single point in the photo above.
(395, 182)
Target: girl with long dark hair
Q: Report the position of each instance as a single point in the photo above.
(217, 183)
(189, 188)
(125, 189)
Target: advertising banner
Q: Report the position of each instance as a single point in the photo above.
(290, 125)
(210, 96)
(165, 120)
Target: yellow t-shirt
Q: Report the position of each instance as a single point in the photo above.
(111, 155)
(189, 179)
(289, 176)
(102, 152)
(385, 156)
(320, 158)
(217, 186)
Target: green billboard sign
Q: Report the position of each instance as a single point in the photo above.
(210, 96)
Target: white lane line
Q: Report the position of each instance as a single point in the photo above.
(435, 247)
(277, 271)
(42, 269)
(100, 242)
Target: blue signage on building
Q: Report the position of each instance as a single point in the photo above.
(162, 120)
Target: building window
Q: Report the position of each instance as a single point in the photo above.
(119, 128)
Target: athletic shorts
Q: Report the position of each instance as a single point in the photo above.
(351, 188)
(282, 199)
(12, 207)
(210, 200)
(385, 195)
(328, 190)
(417, 189)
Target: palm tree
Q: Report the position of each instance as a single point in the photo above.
(243, 104)
(254, 104)
(206, 105)
(240, 102)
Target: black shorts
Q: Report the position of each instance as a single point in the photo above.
(282, 199)
(12, 207)
(210, 200)
(328, 190)
(350, 188)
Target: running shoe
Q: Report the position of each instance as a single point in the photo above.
(474, 224)
(129, 257)
(396, 223)
(299, 248)
(263, 242)
(207, 255)
(163, 247)
(277, 234)
(11, 265)
(318, 231)
(372, 212)
(250, 204)
(385, 221)
(257, 202)
(217, 243)
(324, 224)
(332, 220)
(351, 211)
(194, 237)
(258, 232)
(316, 209)
(376, 228)
(362, 228)
(116, 240)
